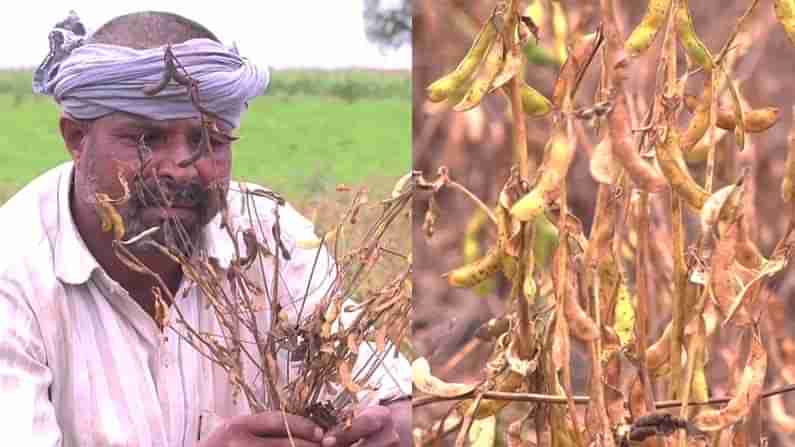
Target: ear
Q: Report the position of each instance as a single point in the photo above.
(74, 135)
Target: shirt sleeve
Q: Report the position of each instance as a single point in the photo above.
(27, 416)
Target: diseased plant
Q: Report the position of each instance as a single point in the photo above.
(595, 292)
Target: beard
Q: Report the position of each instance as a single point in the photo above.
(180, 210)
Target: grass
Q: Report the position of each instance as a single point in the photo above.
(312, 131)
(301, 143)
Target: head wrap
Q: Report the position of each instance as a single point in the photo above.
(92, 80)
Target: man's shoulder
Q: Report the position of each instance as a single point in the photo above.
(249, 203)
(26, 220)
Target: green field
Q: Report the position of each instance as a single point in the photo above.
(312, 131)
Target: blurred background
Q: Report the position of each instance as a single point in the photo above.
(336, 112)
(476, 146)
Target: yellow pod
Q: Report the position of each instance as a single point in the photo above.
(785, 13)
(560, 28)
(488, 71)
(536, 11)
(559, 154)
(477, 271)
(509, 266)
(534, 104)
(471, 245)
(725, 119)
(699, 123)
(694, 47)
(442, 88)
(754, 121)
(669, 155)
(110, 219)
(643, 35)
(759, 120)
(699, 152)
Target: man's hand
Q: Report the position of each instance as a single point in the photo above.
(374, 427)
(266, 429)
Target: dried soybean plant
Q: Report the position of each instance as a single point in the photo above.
(304, 360)
(595, 293)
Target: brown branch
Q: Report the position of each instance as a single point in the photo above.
(474, 198)
(580, 400)
(521, 156)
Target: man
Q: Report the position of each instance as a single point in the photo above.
(82, 358)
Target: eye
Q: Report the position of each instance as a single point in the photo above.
(145, 139)
(222, 139)
(195, 139)
(218, 140)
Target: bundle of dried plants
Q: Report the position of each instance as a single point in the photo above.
(305, 360)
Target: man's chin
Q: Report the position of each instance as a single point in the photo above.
(173, 231)
(188, 218)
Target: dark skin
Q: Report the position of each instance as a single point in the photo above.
(110, 147)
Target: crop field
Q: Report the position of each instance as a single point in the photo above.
(605, 258)
(311, 131)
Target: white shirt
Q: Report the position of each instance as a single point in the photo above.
(82, 364)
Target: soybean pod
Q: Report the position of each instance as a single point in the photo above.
(785, 13)
(558, 156)
(645, 176)
(699, 123)
(754, 121)
(477, 271)
(534, 104)
(788, 181)
(488, 71)
(643, 35)
(695, 48)
(110, 219)
(446, 85)
(669, 155)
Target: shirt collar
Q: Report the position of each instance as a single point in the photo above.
(217, 243)
(73, 262)
(216, 240)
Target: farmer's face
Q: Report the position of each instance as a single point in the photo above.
(178, 197)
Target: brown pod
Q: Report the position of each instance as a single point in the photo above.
(644, 175)
(672, 163)
(759, 120)
(699, 123)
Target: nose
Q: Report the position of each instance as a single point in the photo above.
(175, 162)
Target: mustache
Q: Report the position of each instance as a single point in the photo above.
(167, 192)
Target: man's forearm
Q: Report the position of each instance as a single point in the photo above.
(401, 416)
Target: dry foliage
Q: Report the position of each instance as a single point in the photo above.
(310, 362)
(600, 328)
